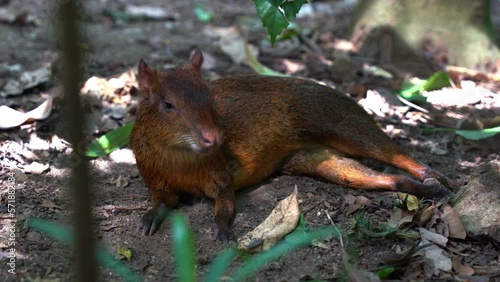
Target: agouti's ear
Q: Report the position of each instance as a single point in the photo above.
(197, 58)
(146, 75)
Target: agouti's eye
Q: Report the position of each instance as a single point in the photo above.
(168, 106)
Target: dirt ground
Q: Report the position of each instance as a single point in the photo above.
(120, 197)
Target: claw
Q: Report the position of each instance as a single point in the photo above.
(151, 220)
(436, 190)
(223, 234)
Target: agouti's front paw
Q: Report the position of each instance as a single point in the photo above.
(223, 234)
(151, 220)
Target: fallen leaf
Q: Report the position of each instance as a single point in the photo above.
(363, 201)
(36, 168)
(282, 220)
(410, 201)
(148, 12)
(353, 208)
(126, 253)
(435, 260)
(425, 215)
(433, 237)
(12, 118)
(122, 181)
(460, 268)
(455, 225)
(400, 217)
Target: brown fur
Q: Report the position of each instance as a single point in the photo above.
(236, 131)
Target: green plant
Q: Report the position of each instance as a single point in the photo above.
(276, 14)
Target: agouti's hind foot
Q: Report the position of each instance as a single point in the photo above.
(435, 190)
(151, 220)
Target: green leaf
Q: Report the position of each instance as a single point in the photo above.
(183, 248)
(385, 272)
(438, 80)
(292, 8)
(412, 90)
(257, 66)
(272, 18)
(110, 141)
(363, 226)
(203, 14)
(478, 134)
(220, 265)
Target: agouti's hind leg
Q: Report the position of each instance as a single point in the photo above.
(366, 140)
(162, 202)
(333, 166)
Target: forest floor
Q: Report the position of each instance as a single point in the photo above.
(113, 47)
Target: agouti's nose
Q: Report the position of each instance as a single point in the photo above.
(209, 138)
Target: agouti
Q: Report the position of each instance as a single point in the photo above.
(214, 138)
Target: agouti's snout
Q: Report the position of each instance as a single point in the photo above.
(208, 140)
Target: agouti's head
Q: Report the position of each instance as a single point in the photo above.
(178, 106)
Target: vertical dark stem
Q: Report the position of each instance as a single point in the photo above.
(69, 39)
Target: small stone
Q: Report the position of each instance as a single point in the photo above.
(477, 203)
(19, 176)
(33, 236)
(117, 111)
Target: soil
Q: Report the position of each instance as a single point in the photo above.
(120, 196)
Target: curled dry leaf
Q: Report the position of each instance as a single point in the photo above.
(425, 215)
(282, 220)
(460, 268)
(12, 118)
(455, 225)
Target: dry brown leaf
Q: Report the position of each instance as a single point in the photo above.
(282, 220)
(425, 215)
(400, 217)
(455, 225)
(363, 201)
(460, 268)
(353, 208)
